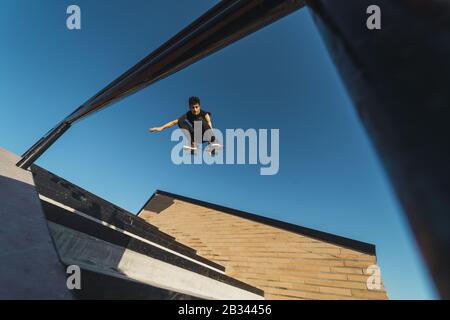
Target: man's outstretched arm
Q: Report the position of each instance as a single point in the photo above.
(167, 125)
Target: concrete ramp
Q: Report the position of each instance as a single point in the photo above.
(29, 265)
(121, 256)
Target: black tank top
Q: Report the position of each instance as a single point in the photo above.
(200, 117)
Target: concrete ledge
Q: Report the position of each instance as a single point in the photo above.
(90, 253)
(99, 286)
(68, 194)
(83, 223)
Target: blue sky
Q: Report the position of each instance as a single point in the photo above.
(280, 77)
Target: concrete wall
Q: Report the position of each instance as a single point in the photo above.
(29, 264)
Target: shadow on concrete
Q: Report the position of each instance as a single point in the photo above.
(29, 264)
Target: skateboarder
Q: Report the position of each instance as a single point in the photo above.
(186, 121)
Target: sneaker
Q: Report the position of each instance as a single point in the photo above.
(192, 148)
(213, 146)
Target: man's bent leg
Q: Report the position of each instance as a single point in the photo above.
(183, 124)
(210, 135)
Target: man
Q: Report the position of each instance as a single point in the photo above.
(187, 120)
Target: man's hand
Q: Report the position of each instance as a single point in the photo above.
(167, 125)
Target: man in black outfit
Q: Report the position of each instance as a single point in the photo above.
(187, 120)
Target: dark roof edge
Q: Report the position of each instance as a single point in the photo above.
(360, 246)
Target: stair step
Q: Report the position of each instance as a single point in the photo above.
(156, 267)
(66, 193)
(61, 216)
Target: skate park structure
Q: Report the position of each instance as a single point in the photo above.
(383, 72)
